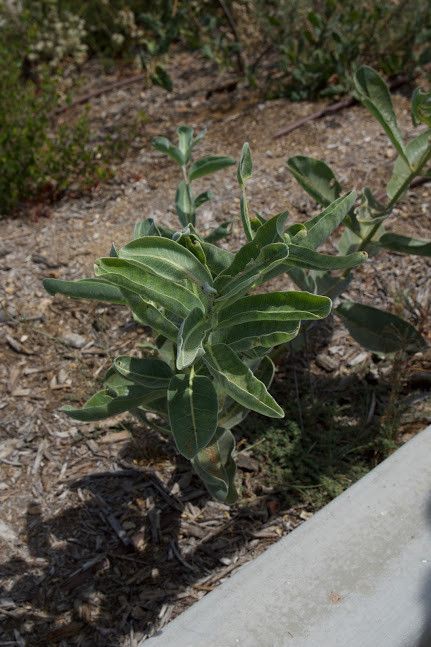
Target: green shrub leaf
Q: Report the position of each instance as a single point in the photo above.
(374, 94)
(184, 204)
(266, 334)
(149, 371)
(379, 331)
(320, 227)
(403, 173)
(405, 244)
(193, 412)
(129, 275)
(216, 467)
(245, 166)
(238, 381)
(95, 289)
(217, 258)
(145, 227)
(163, 145)
(220, 232)
(316, 178)
(190, 338)
(269, 258)
(275, 306)
(167, 258)
(185, 141)
(104, 405)
(310, 259)
(421, 108)
(203, 197)
(146, 314)
(208, 165)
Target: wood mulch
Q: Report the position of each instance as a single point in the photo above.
(105, 533)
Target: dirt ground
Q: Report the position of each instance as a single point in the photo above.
(105, 534)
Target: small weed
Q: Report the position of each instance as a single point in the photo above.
(327, 443)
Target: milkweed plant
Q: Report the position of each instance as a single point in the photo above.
(214, 325)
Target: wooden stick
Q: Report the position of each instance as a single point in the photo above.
(333, 107)
(105, 89)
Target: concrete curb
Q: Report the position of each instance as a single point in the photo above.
(357, 574)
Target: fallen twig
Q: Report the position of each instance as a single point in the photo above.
(333, 107)
(103, 90)
(113, 521)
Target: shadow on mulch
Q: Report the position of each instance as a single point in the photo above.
(113, 567)
(90, 583)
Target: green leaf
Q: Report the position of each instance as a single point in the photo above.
(163, 145)
(190, 338)
(272, 231)
(185, 141)
(150, 372)
(245, 166)
(266, 334)
(320, 227)
(167, 258)
(216, 467)
(375, 96)
(233, 413)
(129, 275)
(237, 380)
(147, 315)
(203, 197)
(162, 78)
(315, 177)
(421, 108)
(275, 306)
(95, 289)
(245, 217)
(405, 244)
(418, 150)
(145, 227)
(217, 259)
(207, 165)
(269, 258)
(220, 232)
(104, 405)
(310, 259)
(193, 412)
(199, 137)
(184, 204)
(379, 331)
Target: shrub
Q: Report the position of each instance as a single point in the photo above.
(318, 44)
(215, 328)
(363, 229)
(214, 334)
(36, 157)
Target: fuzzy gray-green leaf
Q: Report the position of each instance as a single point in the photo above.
(405, 244)
(167, 258)
(316, 178)
(135, 278)
(320, 227)
(193, 412)
(216, 467)
(238, 381)
(374, 94)
(148, 371)
(275, 306)
(190, 338)
(378, 330)
(95, 289)
(104, 405)
(245, 165)
(208, 165)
